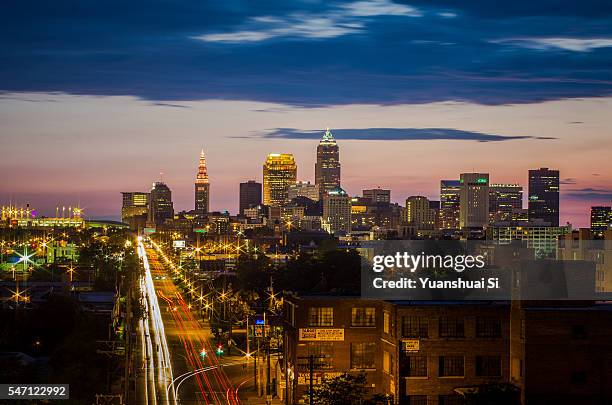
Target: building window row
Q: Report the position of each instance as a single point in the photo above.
(450, 366)
(450, 327)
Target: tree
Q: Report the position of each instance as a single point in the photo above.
(346, 389)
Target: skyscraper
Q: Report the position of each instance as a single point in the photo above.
(134, 203)
(202, 187)
(279, 172)
(336, 211)
(474, 200)
(327, 167)
(450, 191)
(250, 195)
(160, 204)
(601, 219)
(544, 195)
(504, 201)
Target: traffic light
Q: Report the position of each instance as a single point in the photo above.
(203, 353)
(219, 349)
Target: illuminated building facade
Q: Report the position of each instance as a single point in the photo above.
(601, 219)
(202, 187)
(327, 167)
(419, 213)
(135, 203)
(544, 195)
(504, 201)
(250, 195)
(450, 191)
(160, 204)
(474, 200)
(336, 211)
(279, 173)
(304, 189)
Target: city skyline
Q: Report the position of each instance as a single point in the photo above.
(416, 92)
(202, 176)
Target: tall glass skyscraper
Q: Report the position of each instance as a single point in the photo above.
(449, 203)
(327, 167)
(160, 204)
(504, 201)
(544, 195)
(202, 187)
(279, 172)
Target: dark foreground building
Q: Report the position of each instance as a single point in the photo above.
(430, 353)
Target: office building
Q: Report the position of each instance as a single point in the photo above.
(450, 191)
(419, 213)
(250, 195)
(279, 172)
(504, 201)
(336, 211)
(377, 195)
(202, 187)
(536, 235)
(327, 167)
(544, 195)
(601, 219)
(135, 203)
(474, 200)
(160, 204)
(304, 189)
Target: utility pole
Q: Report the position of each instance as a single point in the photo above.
(311, 366)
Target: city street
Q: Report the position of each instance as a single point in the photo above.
(198, 365)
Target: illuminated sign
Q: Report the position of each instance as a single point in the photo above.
(318, 334)
(410, 345)
(178, 244)
(149, 230)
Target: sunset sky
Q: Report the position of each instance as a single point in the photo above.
(99, 97)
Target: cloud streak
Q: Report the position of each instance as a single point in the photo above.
(565, 44)
(394, 134)
(343, 20)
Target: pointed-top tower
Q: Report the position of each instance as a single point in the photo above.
(202, 187)
(327, 167)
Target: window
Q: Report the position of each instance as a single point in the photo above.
(323, 352)
(388, 362)
(488, 366)
(414, 366)
(386, 322)
(363, 317)
(451, 399)
(416, 400)
(451, 366)
(362, 355)
(415, 327)
(320, 316)
(451, 327)
(488, 327)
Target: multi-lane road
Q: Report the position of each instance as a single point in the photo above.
(180, 363)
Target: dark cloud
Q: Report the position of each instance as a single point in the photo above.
(568, 180)
(393, 134)
(171, 105)
(589, 193)
(309, 53)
